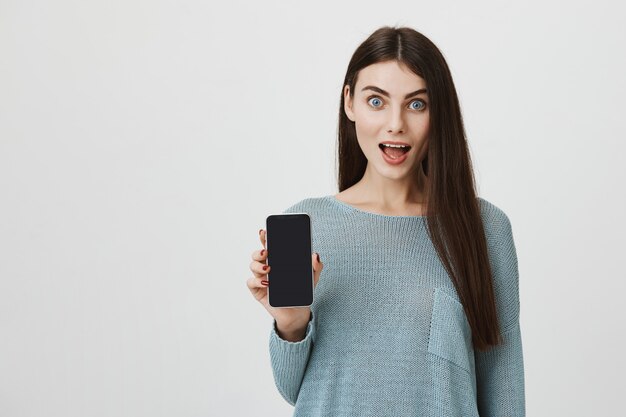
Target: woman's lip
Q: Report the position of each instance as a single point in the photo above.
(396, 161)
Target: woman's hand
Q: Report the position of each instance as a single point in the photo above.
(290, 319)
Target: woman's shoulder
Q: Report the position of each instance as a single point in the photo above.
(496, 222)
(306, 205)
(491, 212)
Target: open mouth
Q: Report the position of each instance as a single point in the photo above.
(394, 151)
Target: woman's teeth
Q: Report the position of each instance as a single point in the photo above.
(394, 151)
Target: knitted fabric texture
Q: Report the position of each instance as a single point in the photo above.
(388, 335)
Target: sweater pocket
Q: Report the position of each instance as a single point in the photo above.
(450, 334)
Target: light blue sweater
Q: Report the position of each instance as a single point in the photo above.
(388, 335)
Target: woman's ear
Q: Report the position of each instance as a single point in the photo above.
(347, 103)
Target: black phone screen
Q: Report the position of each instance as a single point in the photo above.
(288, 244)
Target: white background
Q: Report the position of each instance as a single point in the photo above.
(143, 143)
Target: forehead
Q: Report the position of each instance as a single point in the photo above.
(391, 76)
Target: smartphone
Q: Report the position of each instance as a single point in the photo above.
(288, 243)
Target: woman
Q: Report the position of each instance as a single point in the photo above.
(417, 311)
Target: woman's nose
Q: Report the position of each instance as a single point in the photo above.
(395, 123)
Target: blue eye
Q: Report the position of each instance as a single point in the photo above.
(376, 102)
(418, 101)
(376, 99)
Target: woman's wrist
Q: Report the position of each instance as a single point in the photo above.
(294, 332)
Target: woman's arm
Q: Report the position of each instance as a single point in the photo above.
(500, 371)
(289, 360)
(500, 377)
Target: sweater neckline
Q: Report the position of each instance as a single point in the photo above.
(338, 202)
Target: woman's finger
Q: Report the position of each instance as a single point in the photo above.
(254, 282)
(262, 237)
(259, 269)
(260, 255)
(317, 268)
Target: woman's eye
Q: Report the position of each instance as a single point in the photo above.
(418, 101)
(375, 101)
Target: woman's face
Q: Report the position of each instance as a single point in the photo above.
(390, 104)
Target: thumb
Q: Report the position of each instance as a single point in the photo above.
(317, 267)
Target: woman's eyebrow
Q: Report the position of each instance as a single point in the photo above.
(383, 92)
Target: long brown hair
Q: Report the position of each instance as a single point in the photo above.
(453, 210)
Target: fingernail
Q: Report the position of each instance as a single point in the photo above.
(262, 252)
(260, 230)
(265, 282)
(265, 267)
(318, 257)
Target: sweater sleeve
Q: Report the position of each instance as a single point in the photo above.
(500, 370)
(289, 361)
